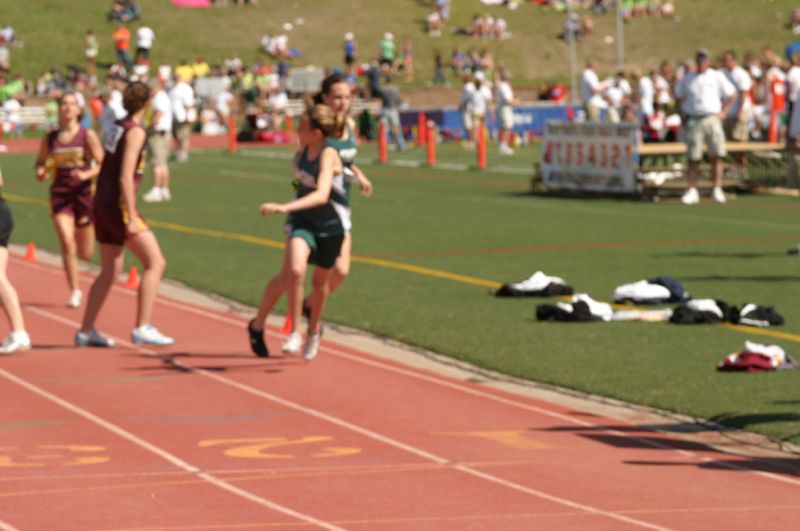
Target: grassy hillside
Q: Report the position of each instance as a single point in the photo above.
(52, 32)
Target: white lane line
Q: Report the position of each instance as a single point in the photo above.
(7, 527)
(138, 441)
(468, 390)
(502, 400)
(346, 425)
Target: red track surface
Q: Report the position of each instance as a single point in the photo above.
(206, 436)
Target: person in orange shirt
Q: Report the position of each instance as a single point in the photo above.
(122, 43)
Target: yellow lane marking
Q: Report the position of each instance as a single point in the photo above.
(26, 199)
(256, 448)
(517, 439)
(425, 271)
(436, 273)
(221, 234)
(763, 332)
(64, 454)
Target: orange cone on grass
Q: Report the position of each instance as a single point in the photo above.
(30, 252)
(133, 278)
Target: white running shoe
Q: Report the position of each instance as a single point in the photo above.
(505, 149)
(92, 338)
(15, 342)
(312, 346)
(691, 197)
(149, 335)
(153, 196)
(165, 194)
(75, 299)
(719, 195)
(292, 343)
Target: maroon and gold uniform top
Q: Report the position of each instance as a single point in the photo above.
(68, 156)
(70, 195)
(111, 217)
(114, 143)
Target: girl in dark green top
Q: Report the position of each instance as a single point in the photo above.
(335, 93)
(315, 231)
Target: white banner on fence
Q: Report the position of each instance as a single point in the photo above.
(594, 157)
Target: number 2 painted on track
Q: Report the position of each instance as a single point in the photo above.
(265, 447)
(43, 455)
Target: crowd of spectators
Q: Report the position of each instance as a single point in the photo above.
(649, 97)
(630, 8)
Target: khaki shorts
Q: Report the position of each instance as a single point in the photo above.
(466, 117)
(158, 144)
(506, 117)
(182, 131)
(704, 134)
(736, 129)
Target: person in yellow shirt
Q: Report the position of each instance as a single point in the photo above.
(200, 67)
(184, 71)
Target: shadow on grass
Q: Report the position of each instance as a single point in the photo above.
(732, 255)
(744, 421)
(750, 278)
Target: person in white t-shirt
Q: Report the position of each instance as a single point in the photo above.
(738, 117)
(505, 110)
(13, 123)
(159, 141)
(144, 41)
(223, 101)
(706, 96)
(617, 90)
(646, 92)
(184, 115)
(113, 109)
(591, 91)
(478, 104)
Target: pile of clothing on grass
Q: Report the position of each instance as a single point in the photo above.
(661, 290)
(757, 358)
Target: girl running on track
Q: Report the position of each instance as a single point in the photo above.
(119, 225)
(315, 230)
(74, 154)
(18, 339)
(335, 93)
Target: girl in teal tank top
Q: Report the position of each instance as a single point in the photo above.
(335, 93)
(315, 230)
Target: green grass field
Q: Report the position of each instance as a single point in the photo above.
(429, 242)
(52, 32)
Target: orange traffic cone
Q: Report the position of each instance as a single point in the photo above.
(133, 278)
(287, 325)
(30, 252)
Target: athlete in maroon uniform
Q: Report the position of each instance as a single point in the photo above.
(119, 225)
(74, 155)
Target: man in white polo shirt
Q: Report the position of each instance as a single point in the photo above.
(706, 95)
(159, 140)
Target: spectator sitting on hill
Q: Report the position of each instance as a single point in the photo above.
(124, 11)
(458, 61)
(387, 50)
(434, 21)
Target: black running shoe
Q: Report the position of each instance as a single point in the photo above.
(306, 309)
(794, 250)
(257, 344)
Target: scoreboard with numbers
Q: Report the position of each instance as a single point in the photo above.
(594, 157)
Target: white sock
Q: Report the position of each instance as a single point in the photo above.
(20, 336)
